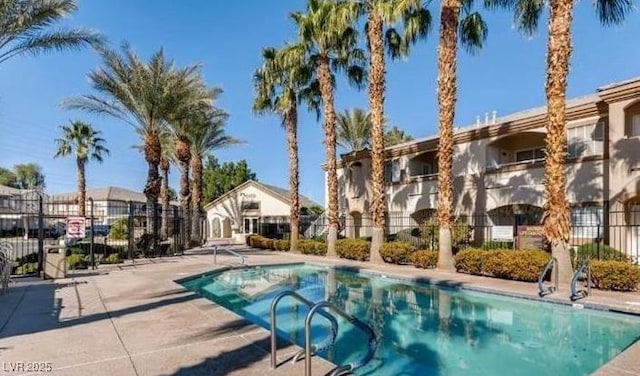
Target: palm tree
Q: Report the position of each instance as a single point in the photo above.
(207, 135)
(557, 216)
(81, 139)
(326, 32)
(24, 24)
(166, 158)
(395, 136)
(144, 95)
(354, 130)
(381, 15)
(284, 79)
(472, 34)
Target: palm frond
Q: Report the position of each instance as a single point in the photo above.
(473, 32)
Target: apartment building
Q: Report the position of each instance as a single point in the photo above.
(498, 172)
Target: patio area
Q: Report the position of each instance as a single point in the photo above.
(135, 320)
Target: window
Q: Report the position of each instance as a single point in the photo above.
(387, 172)
(587, 222)
(635, 126)
(250, 205)
(529, 155)
(585, 140)
(430, 168)
(392, 172)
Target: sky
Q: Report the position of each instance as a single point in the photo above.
(226, 37)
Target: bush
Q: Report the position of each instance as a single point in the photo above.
(312, 247)
(426, 236)
(28, 268)
(113, 258)
(120, 229)
(492, 244)
(397, 252)
(615, 275)
(523, 265)
(353, 249)
(268, 244)
(282, 245)
(424, 259)
(76, 261)
(598, 252)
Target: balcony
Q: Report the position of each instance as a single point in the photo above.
(423, 166)
(523, 150)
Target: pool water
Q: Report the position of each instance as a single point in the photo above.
(426, 329)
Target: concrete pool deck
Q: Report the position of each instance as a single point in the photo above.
(135, 320)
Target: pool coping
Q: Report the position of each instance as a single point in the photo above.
(614, 366)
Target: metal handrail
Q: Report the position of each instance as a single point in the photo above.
(544, 289)
(333, 333)
(373, 341)
(232, 253)
(579, 294)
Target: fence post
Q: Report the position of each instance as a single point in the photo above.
(130, 223)
(91, 240)
(40, 235)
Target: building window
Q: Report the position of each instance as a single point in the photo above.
(530, 155)
(586, 222)
(250, 205)
(585, 141)
(635, 126)
(392, 172)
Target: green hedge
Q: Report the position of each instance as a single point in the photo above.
(493, 244)
(599, 252)
(426, 236)
(397, 252)
(353, 249)
(615, 275)
(524, 265)
(113, 258)
(312, 247)
(282, 245)
(98, 248)
(77, 261)
(424, 259)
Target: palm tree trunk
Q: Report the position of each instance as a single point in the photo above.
(376, 102)
(326, 90)
(557, 211)
(291, 122)
(183, 154)
(447, 94)
(196, 200)
(152, 152)
(164, 193)
(82, 188)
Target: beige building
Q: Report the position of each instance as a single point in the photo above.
(499, 173)
(250, 208)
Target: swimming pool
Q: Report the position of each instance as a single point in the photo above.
(426, 329)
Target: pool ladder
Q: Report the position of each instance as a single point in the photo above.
(579, 294)
(229, 251)
(542, 287)
(311, 349)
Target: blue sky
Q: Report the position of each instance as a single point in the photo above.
(227, 36)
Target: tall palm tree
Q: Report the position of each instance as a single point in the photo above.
(326, 32)
(557, 216)
(24, 24)
(395, 136)
(166, 158)
(471, 30)
(144, 95)
(382, 16)
(354, 129)
(285, 79)
(207, 135)
(81, 139)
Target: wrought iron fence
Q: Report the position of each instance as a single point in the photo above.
(596, 232)
(31, 223)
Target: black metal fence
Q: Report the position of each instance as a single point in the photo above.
(596, 231)
(31, 223)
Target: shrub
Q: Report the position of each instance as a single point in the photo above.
(426, 236)
(424, 259)
(282, 245)
(268, 243)
(523, 265)
(120, 229)
(28, 268)
(76, 261)
(257, 241)
(113, 258)
(598, 252)
(312, 247)
(492, 244)
(353, 249)
(397, 252)
(615, 275)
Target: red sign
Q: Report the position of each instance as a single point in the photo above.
(75, 227)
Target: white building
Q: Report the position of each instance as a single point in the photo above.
(248, 208)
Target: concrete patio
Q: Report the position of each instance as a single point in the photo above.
(135, 320)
